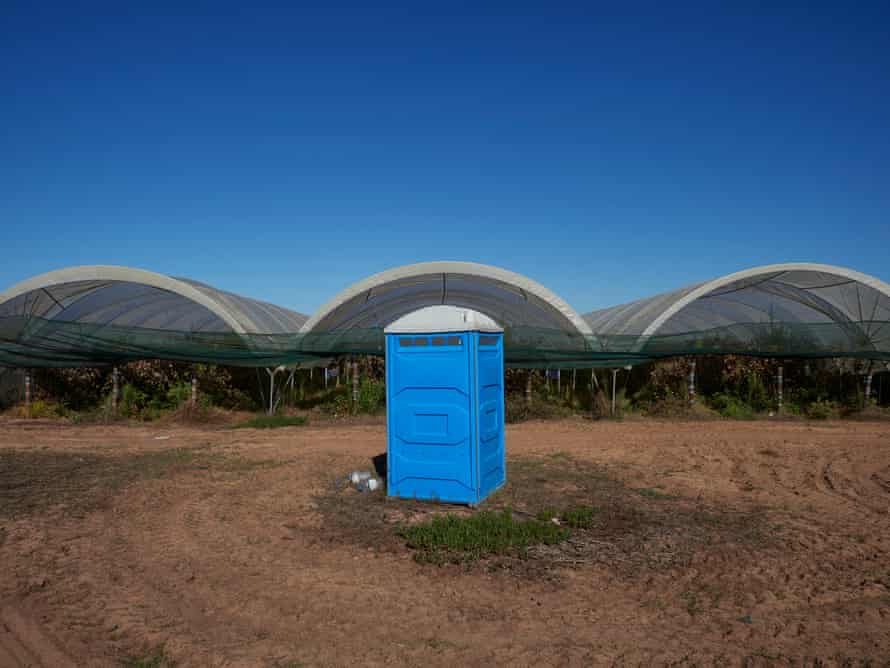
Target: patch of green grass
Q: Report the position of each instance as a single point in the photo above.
(580, 517)
(449, 538)
(272, 422)
(156, 658)
(651, 493)
(548, 513)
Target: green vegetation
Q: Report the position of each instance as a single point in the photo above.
(156, 658)
(729, 386)
(44, 408)
(650, 493)
(731, 407)
(821, 410)
(580, 517)
(449, 538)
(272, 422)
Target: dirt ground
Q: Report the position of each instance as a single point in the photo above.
(722, 543)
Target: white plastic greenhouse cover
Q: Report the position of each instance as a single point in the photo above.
(788, 293)
(855, 306)
(510, 299)
(128, 297)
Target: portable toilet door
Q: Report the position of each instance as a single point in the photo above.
(445, 405)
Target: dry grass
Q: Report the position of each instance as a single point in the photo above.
(33, 481)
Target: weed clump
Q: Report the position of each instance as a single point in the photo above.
(155, 658)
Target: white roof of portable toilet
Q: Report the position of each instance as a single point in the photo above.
(443, 318)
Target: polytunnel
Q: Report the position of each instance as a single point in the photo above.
(780, 310)
(540, 327)
(104, 314)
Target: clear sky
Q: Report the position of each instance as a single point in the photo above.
(285, 153)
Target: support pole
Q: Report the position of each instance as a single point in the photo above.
(271, 372)
(780, 381)
(193, 399)
(614, 383)
(596, 408)
(115, 388)
(355, 379)
(692, 383)
(528, 388)
(867, 388)
(28, 392)
(559, 382)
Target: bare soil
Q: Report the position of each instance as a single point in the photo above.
(714, 543)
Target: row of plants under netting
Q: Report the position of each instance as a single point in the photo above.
(729, 386)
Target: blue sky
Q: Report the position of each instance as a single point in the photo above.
(285, 153)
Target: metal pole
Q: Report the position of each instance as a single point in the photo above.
(559, 382)
(271, 373)
(614, 383)
(692, 383)
(115, 388)
(193, 400)
(355, 385)
(528, 388)
(780, 380)
(28, 392)
(867, 388)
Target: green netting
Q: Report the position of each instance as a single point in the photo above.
(38, 342)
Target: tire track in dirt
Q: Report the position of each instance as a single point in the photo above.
(850, 487)
(24, 644)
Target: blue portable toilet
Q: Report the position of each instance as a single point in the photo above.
(445, 405)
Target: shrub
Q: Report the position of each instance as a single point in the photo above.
(731, 407)
(669, 406)
(132, 401)
(516, 409)
(821, 410)
(178, 394)
(371, 396)
(43, 409)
